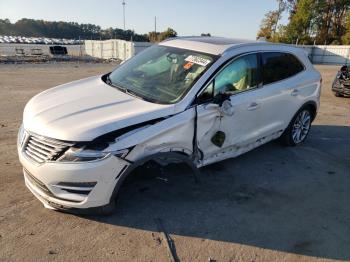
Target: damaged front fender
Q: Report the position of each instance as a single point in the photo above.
(174, 133)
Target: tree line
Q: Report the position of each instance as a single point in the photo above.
(309, 22)
(72, 30)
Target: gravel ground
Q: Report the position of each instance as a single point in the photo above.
(271, 204)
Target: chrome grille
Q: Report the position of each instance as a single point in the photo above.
(41, 149)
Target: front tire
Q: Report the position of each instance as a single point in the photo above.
(298, 128)
(106, 210)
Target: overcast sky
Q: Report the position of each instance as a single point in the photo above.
(230, 18)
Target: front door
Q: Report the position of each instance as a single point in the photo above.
(233, 123)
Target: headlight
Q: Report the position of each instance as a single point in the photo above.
(21, 136)
(75, 154)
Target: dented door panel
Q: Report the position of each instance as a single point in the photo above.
(208, 125)
(239, 125)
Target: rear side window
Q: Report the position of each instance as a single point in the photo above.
(278, 66)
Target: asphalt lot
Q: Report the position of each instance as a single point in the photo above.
(270, 204)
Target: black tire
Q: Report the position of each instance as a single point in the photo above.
(288, 138)
(338, 94)
(107, 210)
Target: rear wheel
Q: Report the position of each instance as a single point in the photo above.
(298, 128)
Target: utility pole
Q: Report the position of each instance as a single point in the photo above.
(155, 25)
(123, 3)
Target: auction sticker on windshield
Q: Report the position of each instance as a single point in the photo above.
(198, 60)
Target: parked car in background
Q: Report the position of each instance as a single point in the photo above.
(39, 40)
(197, 100)
(341, 83)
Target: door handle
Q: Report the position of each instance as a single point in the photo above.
(295, 92)
(253, 106)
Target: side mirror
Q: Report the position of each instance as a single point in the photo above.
(220, 98)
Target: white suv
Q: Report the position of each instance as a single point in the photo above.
(197, 100)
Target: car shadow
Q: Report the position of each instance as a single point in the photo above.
(293, 199)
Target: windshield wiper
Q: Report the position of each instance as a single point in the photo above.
(110, 83)
(128, 91)
(131, 93)
(123, 89)
(134, 94)
(108, 80)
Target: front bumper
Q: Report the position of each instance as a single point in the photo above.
(341, 89)
(62, 185)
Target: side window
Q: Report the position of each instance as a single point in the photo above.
(207, 94)
(239, 75)
(278, 66)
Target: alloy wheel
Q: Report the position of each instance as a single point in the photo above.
(301, 126)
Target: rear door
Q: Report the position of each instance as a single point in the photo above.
(282, 78)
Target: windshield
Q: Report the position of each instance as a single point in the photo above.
(161, 74)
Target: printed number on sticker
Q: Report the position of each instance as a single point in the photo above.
(197, 60)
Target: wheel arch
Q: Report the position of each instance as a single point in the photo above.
(312, 105)
(179, 156)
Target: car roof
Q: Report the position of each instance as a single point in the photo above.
(211, 45)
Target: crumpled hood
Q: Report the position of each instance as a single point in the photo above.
(85, 109)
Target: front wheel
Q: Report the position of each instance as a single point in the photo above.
(338, 94)
(298, 128)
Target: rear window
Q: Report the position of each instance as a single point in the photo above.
(278, 66)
